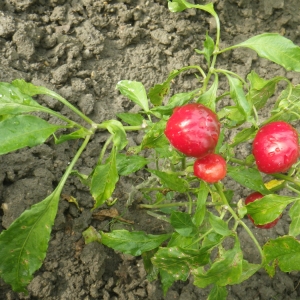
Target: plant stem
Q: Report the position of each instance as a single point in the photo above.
(164, 205)
(287, 178)
(60, 116)
(239, 161)
(293, 189)
(72, 164)
(190, 203)
(237, 219)
(70, 106)
(133, 128)
(108, 141)
(201, 237)
(225, 72)
(158, 216)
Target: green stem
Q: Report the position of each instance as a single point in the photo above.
(72, 164)
(69, 105)
(201, 237)
(158, 216)
(287, 178)
(108, 141)
(239, 161)
(237, 219)
(190, 203)
(133, 128)
(164, 205)
(60, 116)
(293, 189)
(194, 67)
(231, 73)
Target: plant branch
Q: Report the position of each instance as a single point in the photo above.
(237, 219)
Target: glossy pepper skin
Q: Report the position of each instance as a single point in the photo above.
(253, 197)
(193, 129)
(210, 168)
(276, 147)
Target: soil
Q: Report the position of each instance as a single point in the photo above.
(81, 49)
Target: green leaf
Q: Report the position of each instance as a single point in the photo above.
(233, 115)
(175, 101)
(238, 96)
(117, 130)
(154, 136)
(199, 214)
(227, 269)
(167, 280)
(212, 240)
(84, 179)
(268, 208)
(91, 235)
(135, 91)
(218, 293)
(248, 177)
(104, 180)
(170, 153)
(178, 261)
(218, 225)
(134, 243)
(183, 224)
(14, 102)
(183, 241)
(180, 5)
(248, 271)
(276, 48)
(78, 134)
(283, 252)
(159, 91)
(131, 118)
(151, 270)
(288, 103)
(24, 244)
(30, 89)
(127, 164)
(209, 97)
(244, 135)
(209, 47)
(24, 130)
(172, 181)
(261, 90)
(294, 213)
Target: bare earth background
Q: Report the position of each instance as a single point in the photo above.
(81, 49)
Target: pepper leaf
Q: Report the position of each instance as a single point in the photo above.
(134, 243)
(227, 269)
(24, 244)
(24, 130)
(248, 177)
(294, 213)
(135, 91)
(14, 102)
(276, 48)
(183, 224)
(104, 180)
(172, 181)
(268, 208)
(283, 252)
(179, 261)
(238, 96)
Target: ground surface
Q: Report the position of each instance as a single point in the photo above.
(81, 49)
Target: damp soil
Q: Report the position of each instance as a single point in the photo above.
(81, 49)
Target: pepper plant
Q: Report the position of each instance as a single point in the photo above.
(204, 239)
